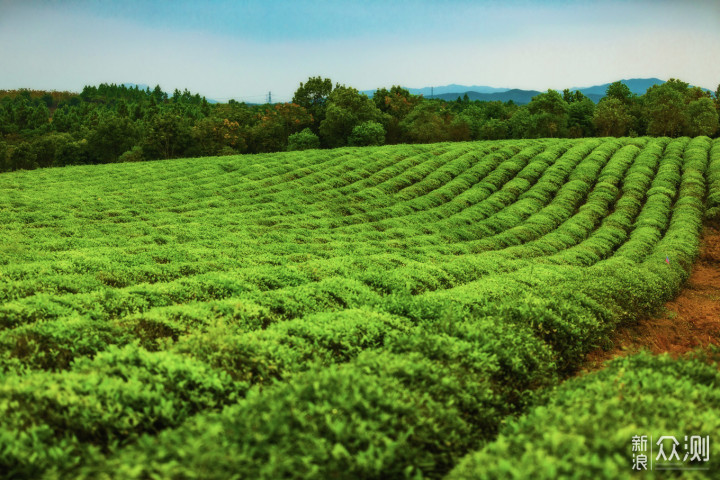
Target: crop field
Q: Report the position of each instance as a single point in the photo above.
(410, 311)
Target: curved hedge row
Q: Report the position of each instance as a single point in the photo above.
(638, 395)
(360, 313)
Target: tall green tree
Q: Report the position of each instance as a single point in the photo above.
(550, 115)
(666, 106)
(702, 118)
(313, 96)
(397, 103)
(112, 136)
(367, 134)
(167, 136)
(621, 92)
(580, 116)
(611, 118)
(494, 129)
(276, 125)
(432, 121)
(347, 108)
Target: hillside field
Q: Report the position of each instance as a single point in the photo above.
(408, 311)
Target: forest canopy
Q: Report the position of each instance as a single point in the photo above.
(116, 123)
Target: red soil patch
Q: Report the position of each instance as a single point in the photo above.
(691, 320)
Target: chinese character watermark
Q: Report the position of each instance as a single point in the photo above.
(695, 450)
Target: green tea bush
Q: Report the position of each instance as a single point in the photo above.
(585, 430)
(51, 421)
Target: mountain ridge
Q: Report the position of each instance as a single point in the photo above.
(451, 92)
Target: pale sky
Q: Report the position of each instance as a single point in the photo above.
(243, 49)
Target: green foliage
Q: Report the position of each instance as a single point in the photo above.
(611, 118)
(620, 92)
(313, 96)
(304, 140)
(107, 122)
(702, 118)
(550, 114)
(367, 134)
(346, 109)
(586, 429)
(100, 404)
(135, 154)
(493, 129)
(713, 177)
(376, 313)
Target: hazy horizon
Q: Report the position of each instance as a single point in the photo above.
(227, 50)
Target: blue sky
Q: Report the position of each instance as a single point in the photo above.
(243, 49)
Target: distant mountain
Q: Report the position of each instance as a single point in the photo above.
(435, 92)
(636, 85)
(522, 97)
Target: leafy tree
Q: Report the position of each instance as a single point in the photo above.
(72, 153)
(494, 129)
(459, 129)
(167, 136)
(40, 118)
(235, 112)
(367, 134)
(494, 110)
(397, 103)
(122, 110)
(47, 146)
(6, 120)
(212, 135)
(611, 118)
(520, 124)
(135, 154)
(702, 118)
(112, 136)
(346, 108)
(4, 156)
(22, 157)
(550, 114)
(22, 111)
(666, 107)
(47, 99)
(621, 92)
(427, 123)
(580, 117)
(277, 124)
(574, 96)
(474, 116)
(158, 95)
(304, 140)
(313, 96)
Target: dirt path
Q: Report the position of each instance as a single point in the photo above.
(691, 320)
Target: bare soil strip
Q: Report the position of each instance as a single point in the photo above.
(691, 320)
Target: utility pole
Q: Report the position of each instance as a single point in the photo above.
(269, 97)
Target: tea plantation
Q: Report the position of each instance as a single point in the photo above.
(384, 312)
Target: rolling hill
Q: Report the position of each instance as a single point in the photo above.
(373, 312)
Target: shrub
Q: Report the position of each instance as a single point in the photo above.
(135, 154)
(367, 134)
(303, 140)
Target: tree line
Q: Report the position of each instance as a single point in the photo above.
(116, 123)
